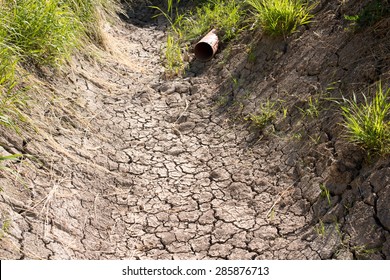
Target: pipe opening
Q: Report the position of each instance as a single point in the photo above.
(203, 51)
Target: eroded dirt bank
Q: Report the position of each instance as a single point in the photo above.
(140, 167)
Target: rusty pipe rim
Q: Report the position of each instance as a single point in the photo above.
(206, 48)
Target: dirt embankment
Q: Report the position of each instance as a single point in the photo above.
(129, 165)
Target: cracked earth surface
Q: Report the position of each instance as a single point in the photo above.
(154, 171)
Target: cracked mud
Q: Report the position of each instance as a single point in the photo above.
(153, 169)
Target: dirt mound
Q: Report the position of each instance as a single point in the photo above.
(129, 165)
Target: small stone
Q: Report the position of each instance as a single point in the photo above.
(182, 87)
(186, 127)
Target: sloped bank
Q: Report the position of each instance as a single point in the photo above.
(134, 166)
(305, 74)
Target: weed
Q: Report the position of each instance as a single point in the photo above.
(174, 59)
(222, 100)
(235, 83)
(46, 32)
(338, 229)
(251, 57)
(332, 86)
(281, 17)
(325, 193)
(320, 228)
(285, 111)
(268, 113)
(5, 228)
(175, 20)
(362, 251)
(368, 124)
(8, 62)
(316, 139)
(10, 157)
(297, 136)
(170, 5)
(272, 214)
(313, 108)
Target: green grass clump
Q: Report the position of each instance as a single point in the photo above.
(87, 11)
(10, 98)
(368, 123)
(325, 193)
(8, 60)
(47, 32)
(43, 31)
(312, 109)
(281, 17)
(4, 229)
(224, 15)
(268, 113)
(174, 58)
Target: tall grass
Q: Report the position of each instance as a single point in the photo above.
(174, 63)
(88, 13)
(43, 31)
(281, 17)
(8, 65)
(368, 123)
(46, 31)
(8, 60)
(174, 58)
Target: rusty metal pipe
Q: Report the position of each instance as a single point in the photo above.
(206, 48)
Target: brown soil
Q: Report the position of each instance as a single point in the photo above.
(128, 165)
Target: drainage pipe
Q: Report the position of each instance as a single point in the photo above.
(206, 48)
